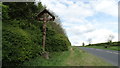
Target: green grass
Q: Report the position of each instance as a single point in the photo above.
(117, 48)
(73, 57)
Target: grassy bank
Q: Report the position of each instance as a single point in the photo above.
(73, 57)
(116, 48)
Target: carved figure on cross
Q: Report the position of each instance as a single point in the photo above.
(45, 16)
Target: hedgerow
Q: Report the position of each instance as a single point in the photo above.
(22, 37)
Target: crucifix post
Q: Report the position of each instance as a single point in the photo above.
(45, 16)
(44, 30)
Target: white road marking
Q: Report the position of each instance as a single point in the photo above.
(115, 52)
(99, 50)
(109, 51)
(106, 51)
(112, 52)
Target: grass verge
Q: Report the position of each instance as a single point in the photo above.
(116, 48)
(74, 57)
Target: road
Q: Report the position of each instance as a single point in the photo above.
(108, 55)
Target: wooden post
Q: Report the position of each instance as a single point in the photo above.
(44, 30)
(45, 13)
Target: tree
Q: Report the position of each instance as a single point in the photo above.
(89, 41)
(83, 44)
(110, 38)
(21, 10)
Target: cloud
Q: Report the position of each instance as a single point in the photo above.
(106, 6)
(80, 29)
(70, 10)
(74, 14)
(97, 36)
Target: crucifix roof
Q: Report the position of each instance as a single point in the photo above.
(45, 11)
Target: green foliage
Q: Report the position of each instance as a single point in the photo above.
(4, 11)
(21, 10)
(22, 37)
(19, 44)
(57, 27)
(57, 42)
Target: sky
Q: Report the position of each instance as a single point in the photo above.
(86, 19)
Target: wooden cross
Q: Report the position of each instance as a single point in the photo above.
(47, 16)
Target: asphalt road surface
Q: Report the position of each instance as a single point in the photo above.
(107, 55)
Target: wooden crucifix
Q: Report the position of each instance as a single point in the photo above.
(45, 16)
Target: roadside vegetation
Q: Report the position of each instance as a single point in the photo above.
(107, 45)
(73, 57)
(22, 33)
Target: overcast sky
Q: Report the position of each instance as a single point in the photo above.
(84, 19)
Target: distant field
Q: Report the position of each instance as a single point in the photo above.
(73, 57)
(117, 48)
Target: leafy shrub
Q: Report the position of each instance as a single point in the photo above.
(57, 42)
(4, 11)
(19, 45)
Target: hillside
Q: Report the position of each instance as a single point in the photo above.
(22, 33)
